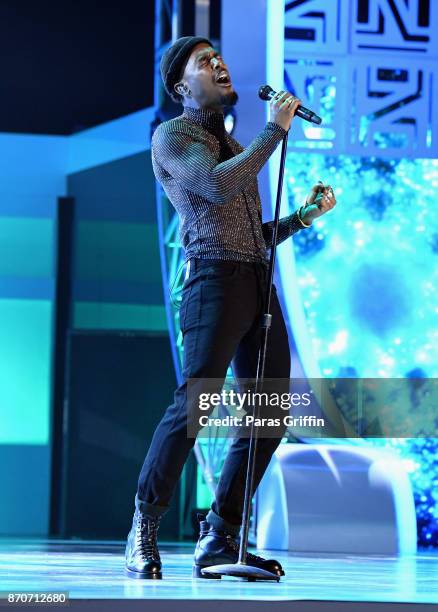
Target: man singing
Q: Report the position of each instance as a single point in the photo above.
(212, 183)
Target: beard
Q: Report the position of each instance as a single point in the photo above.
(229, 99)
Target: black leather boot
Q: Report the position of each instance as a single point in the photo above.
(141, 554)
(215, 547)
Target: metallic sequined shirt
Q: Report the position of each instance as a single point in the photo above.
(211, 180)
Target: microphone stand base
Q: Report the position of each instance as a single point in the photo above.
(239, 570)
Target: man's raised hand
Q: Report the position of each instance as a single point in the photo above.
(320, 200)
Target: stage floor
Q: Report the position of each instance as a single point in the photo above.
(95, 570)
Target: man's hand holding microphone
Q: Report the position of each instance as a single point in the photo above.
(282, 109)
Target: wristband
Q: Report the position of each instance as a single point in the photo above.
(301, 221)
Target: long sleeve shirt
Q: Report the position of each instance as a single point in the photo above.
(211, 180)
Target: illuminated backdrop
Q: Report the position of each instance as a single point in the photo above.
(368, 272)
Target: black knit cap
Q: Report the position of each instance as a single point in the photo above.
(173, 61)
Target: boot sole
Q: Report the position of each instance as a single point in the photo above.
(143, 575)
(196, 573)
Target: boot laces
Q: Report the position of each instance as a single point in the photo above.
(236, 548)
(147, 538)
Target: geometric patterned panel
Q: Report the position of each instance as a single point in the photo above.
(369, 68)
(312, 26)
(395, 25)
(320, 84)
(391, 107)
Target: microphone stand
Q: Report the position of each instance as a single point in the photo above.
(241, 569)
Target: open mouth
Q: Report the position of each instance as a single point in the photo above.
(223, 79)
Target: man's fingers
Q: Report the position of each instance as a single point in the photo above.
(328, 192)
(283, 108)
(295, 105)
(314, 198)
(322, 196)
(280, 97)
(286, 102)
(275, 100)
(328, 198)
(291, 103)
(316, 191)
(319, 187)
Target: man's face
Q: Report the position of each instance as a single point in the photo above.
(208, 79)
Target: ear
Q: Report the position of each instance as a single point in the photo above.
(182, 89)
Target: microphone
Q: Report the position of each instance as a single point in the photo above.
(267, 93)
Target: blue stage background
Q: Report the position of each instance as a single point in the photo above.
(367, 273)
